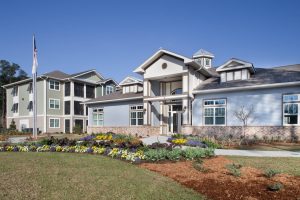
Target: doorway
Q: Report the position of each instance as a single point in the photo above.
(174, 118)
(67, 126)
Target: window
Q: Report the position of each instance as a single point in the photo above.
(30, 88)
(54, 103)
(15, 108)
(291, 104)
(109, 89)
(90, 91)
(214, 112)
(223, 77)
(229, 76)
(245, 73)
(237, 75)
(98, 119)
(78, 90)
(53, 85)
(78, 108)
(67, 89)
(15, 91)
(207, 61)
(136, 115)
(176, 91)
(67, 107)
(30, 106)
(54, 123)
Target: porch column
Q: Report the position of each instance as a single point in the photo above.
(161, 115)
(147, 113)
(186, 105)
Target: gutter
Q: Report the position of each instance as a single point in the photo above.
(274, 85)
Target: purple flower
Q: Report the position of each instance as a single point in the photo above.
(90, 150)
(16, 149)
(87, 138)
(52, 149)
(196, 143)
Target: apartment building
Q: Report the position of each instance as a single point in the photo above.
(59, 100)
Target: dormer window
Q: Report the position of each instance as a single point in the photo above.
(207, 61)
(235, 69)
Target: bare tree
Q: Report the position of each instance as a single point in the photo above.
(243, 114)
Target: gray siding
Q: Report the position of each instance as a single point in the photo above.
(54, 94)
(115, 114)
(267, 105)
(98, 91)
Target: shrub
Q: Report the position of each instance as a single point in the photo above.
(196, 153)
(156, 154)
(12, 125)
(77, 129)
(275, 187)
(234, 169)
(198, 165)
(178, 136)
(175, 154)
(270, 173)
(211, 144)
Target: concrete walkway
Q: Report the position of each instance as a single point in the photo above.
(255, 153)
(16, 139)
(231, 152)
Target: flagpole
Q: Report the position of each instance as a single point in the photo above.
(34, 103)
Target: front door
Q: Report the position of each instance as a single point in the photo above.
(174, 118)
(67, 126)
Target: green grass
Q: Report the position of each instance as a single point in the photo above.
(284, 165)
(81, 176)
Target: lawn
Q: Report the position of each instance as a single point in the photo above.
(77, 176)
(284, 165)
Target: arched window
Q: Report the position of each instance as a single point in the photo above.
(176, 91)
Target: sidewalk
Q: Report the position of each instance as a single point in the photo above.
(255, 153)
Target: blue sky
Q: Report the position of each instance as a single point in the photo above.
(115, 37)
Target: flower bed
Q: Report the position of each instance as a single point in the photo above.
(114, 145)
(192, 141)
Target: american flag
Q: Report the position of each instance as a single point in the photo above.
(35, 62)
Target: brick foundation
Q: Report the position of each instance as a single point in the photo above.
(127, 130)
(236, 131)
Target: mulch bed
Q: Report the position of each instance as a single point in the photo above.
(217, 183)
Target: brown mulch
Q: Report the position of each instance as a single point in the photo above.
(217, 183)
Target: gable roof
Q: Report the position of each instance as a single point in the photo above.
(56, 74)
(130, 80)
(107, 80)
(263, 76)
(235, 63)
(203, 53)
(157, 55)
(86, 72)
(186, 60)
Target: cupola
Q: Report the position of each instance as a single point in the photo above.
(204, 58)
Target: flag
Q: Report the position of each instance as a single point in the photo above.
(35, 63)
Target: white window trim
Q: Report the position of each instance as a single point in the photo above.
(111, 88)
(290, 102)
(214, 107)
(136, 111)
(15, 95)
(54, 104)
(54, 85)
(54, 122)
(97, 116)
